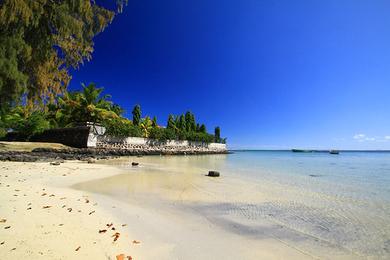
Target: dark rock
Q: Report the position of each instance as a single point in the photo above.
(91, 160)
(55, 163)
(134, 164)
(213, 174)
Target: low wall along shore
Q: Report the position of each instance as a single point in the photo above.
(153, 146)
(92, 136)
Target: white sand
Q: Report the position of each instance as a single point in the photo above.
(167, 214)
(56, 233)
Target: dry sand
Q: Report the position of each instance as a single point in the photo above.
(28, 146)
(41, 218)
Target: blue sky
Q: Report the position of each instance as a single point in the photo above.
(271, 74)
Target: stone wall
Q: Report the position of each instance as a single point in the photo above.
(72, 136)
(92, 136)
(155, 146)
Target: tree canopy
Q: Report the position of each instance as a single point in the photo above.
(41, 40)
(136, 115)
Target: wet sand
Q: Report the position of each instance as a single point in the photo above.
(209, 218)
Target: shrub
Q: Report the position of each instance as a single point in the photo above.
(162, 134)
(200, 137)
(25, 124)
(3, 132)
(135, 131)
(121, 128)
(36, 123)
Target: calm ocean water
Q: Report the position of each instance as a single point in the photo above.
(343, 199)
(364, 175)
(327, 205)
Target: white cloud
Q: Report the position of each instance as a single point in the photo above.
(387, 137)
(359, 136)
(363, 138)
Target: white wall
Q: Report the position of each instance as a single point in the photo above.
(152, 142)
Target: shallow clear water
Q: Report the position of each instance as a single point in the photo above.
(343, 199)
(316, 202)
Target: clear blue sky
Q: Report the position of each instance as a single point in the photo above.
(271, 74)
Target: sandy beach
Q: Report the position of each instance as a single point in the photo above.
(43, 218)
(76, 210)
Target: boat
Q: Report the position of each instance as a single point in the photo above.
(334, 152)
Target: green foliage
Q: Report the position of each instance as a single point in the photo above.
(3, 132)
(121, 127)
(171, 122)
(182, 126)
(40, 41)
(154, 122)
(26, 124)
(200, 137)
(202, 129)
(87, 105)
(146, 126)
(162, 134)
(217, 134)
(136, 115)
(190, 121)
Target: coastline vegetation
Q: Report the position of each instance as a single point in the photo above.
(40, 42)
(75, 108)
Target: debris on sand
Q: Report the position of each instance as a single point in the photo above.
(116, 236)
(122, 257)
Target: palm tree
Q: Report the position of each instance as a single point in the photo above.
(146, 126)
(85, 106)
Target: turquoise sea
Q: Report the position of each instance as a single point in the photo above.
(342, 199)
(328, 206)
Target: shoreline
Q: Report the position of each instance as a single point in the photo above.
(168, 210)
(49, 219)
(82, 154)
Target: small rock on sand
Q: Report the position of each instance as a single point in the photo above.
(213, 174)
(55, 163)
